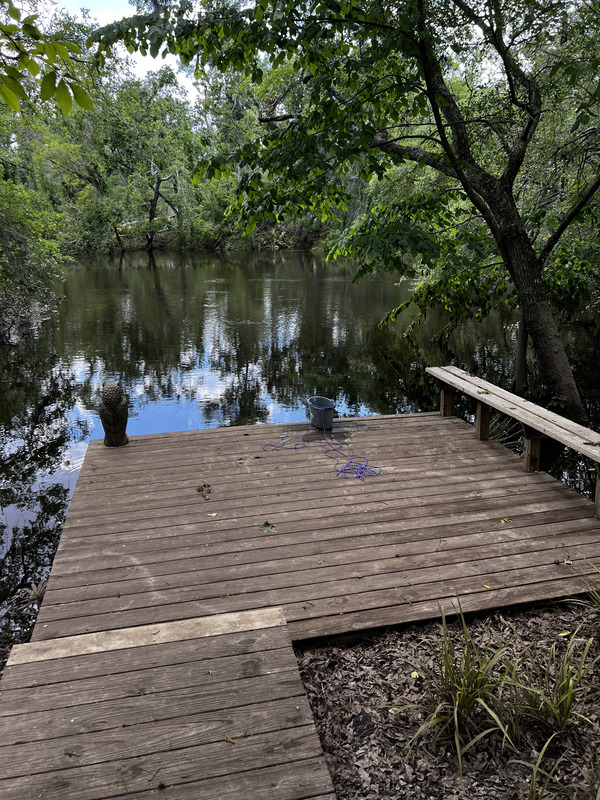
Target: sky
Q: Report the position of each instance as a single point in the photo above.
(105, 11)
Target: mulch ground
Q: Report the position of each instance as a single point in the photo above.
(353, 690)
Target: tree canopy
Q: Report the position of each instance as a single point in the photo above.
(33, 62)
(492, 99)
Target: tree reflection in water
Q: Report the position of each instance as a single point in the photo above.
(36, 433)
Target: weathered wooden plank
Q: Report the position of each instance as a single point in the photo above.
(231, 670)
(478, 599)
(46, 672)
(446, 400)
(501, 573)
(228, 498)
(373, 565)
(137, 739)
(277, 470)
(312, 509)
(187, 765)
(325, 472)
(212, 444)
(237, 463)
(198, 546)
(253, 563)
(532, 449)
(320, 598)
(282, 782)
(160, 492)
(43, 724)
(84, 574)
(482, 421)
(144, 635)
(227, 501)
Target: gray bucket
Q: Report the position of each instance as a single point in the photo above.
(321, 412)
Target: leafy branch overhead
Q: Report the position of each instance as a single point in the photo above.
(29, 58)
(492, 103)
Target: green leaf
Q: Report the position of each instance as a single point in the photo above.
(48, 85)
(13, 85)
(14, 73)
(61, 51)
(10, 98)
(32, 67)
(50, 52)
(31, 31)
(81, 97)
(14, 12)
(63, 98)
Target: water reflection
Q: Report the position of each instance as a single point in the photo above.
(202, 342)
(36, 476)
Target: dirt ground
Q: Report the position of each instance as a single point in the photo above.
(353, 689)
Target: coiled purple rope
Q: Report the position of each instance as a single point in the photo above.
(354, 467)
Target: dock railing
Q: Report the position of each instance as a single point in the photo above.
(537, 422)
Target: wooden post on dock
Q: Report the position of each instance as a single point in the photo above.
(597, 495)
(446, 400)
(532, 445)
(482, 421)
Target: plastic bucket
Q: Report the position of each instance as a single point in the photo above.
(321, 412)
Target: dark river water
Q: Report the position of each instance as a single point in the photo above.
(200, 341)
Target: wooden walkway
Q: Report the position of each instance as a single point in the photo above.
(202, 708)
(129, 644)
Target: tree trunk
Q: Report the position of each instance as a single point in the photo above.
(152, 207)
(522, 262)
(119, 240)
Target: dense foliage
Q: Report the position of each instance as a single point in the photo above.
(456, 142)
(495, 101)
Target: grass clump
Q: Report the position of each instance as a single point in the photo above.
(518, 696)
(464, 684)
(553, 689)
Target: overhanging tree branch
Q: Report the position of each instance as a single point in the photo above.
(568, 219)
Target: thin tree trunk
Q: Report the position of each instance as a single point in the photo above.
(119, 240)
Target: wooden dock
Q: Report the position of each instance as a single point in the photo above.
(161, 656)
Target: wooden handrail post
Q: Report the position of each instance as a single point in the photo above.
(597, 495)
(446, 399)
(482, 421)
(532, 445)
